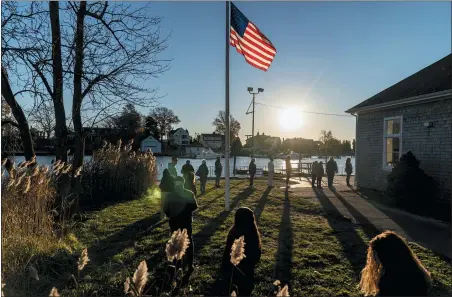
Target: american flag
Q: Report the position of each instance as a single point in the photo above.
(249, 41)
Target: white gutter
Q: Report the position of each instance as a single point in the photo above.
(406, 101)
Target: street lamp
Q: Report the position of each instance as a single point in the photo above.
(250, 90)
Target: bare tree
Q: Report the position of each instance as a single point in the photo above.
(42, 116)
(220, 124)
(165, 119)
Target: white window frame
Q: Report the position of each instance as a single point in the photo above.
(385, 136)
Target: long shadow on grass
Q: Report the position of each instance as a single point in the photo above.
(118, 241)
(259, 209)
(283, 268)
(352, 243)
(202, 237)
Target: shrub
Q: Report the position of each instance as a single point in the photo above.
(412, 188)
(116, 173)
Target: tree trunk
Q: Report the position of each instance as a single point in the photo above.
(57, 95)
(76, 105)
(19, 116)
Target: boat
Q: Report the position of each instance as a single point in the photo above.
(207, 154)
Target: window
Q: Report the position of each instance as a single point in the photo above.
(392, 141)
(184, 136)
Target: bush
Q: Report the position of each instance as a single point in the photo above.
(412, 188)
(116, 173)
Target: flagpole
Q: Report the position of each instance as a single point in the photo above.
(227, 133)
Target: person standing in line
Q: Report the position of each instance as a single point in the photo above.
(288, 170)
(271, 172)
(313, 173)
(203, 173)
(172, 166)
(218, 169)
(178, 206)
(348, 170)
(252, 171)
(319, 174)
(186, 168)
(190, 182)
(331, 169)
(166, 186)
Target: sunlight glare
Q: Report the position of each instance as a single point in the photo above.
(290, 119)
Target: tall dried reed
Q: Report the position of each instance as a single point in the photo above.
(116, 172)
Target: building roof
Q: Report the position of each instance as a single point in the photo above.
(434, 78)
(174, 131)
(212, 135)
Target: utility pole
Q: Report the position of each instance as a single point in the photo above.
(250, 90)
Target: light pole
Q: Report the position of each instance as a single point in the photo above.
(250, 90)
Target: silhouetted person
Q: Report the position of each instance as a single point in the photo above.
(348, 170)
(271, 172)
(252, 171)
(319, 174)
(190, 182)
(187, 167)
(313, 173)
(288, 170)
(178, 206)
(392, 269)
(331, 169)
(203, 173)
(172, 166)
(243, 277)
(218, 169)
(166, 186)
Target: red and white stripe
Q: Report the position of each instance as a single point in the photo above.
(254, 46)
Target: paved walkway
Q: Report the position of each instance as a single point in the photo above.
(375, 218)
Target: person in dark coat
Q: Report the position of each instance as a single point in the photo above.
(186, 168)
(190, 182)
(252, 171)
(348, 170)
(243, 277)
(392, 269)
(166, 186)
(313, 173)
(331, 169)
(319, 174)
(178, 206)
(203, 173)
(218, 169)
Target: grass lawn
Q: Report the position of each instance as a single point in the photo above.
(316, 253)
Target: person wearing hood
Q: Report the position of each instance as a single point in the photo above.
(218, 169)
(172, 166)
(190, 182)
(166, 186)
(186, 168)
(252, 171)
(203, 173)
(178, 206)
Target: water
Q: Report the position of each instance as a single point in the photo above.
(242, 162)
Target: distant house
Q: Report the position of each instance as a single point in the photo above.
(194, 149)
(413, 115)
(213, 141)
(179, 137)
(151, 143)
(263, 142)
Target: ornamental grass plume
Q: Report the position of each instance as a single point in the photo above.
(177, 245)
(238, 251)
(140, 277)
(233, 294)
(82, 260)
(54, 292)
(127, 285)
(284, 292)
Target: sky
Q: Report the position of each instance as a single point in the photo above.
(330, 57)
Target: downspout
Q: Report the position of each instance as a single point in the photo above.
(355, 180)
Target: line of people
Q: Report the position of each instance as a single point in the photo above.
(317, 172)
(392, 268)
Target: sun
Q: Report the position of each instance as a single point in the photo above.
(290, 119)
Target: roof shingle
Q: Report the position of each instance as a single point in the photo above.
(434, 78)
